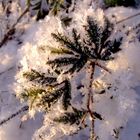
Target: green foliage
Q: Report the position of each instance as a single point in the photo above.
(75, 117)
(112, 48)
(97, 46)
(126, 3)
(59, 50)
(44, 7)
(38, 77)
(51, 97)
(61, 90)
(49, 94)
(62, 61)
(28, 2)
(98, 116)
(71, 117)
(74, 46)
(56, 5)
(32, 94)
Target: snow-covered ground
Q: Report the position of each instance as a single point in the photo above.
(10, 55)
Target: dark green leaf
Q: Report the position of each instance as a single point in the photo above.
(78, 65)
(52, 97)
(64, 61)
(111, 47)
(98, 116)
(67, 95)
(38, 77)
(107, 31)
(94, 32)
(71, 117)
(66, 42)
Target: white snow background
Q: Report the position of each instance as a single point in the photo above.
(11, 54)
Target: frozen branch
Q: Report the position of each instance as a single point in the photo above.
(127, 18)
(23, 109)
(12, 29)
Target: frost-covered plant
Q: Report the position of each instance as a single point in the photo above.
(75, 55)
(44, 7)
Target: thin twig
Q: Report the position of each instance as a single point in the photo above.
(83, 119)
(7, 70)
(90, 96)
(23, 109)
(12, 29)
(22, 14)
(90, 99)
(103, 67)
(125, 19)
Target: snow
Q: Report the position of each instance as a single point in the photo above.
(9, 104)
(122, 110)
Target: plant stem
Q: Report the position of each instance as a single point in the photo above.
(23, 109)
(125, 19)
(12, 29)
(90, 97)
